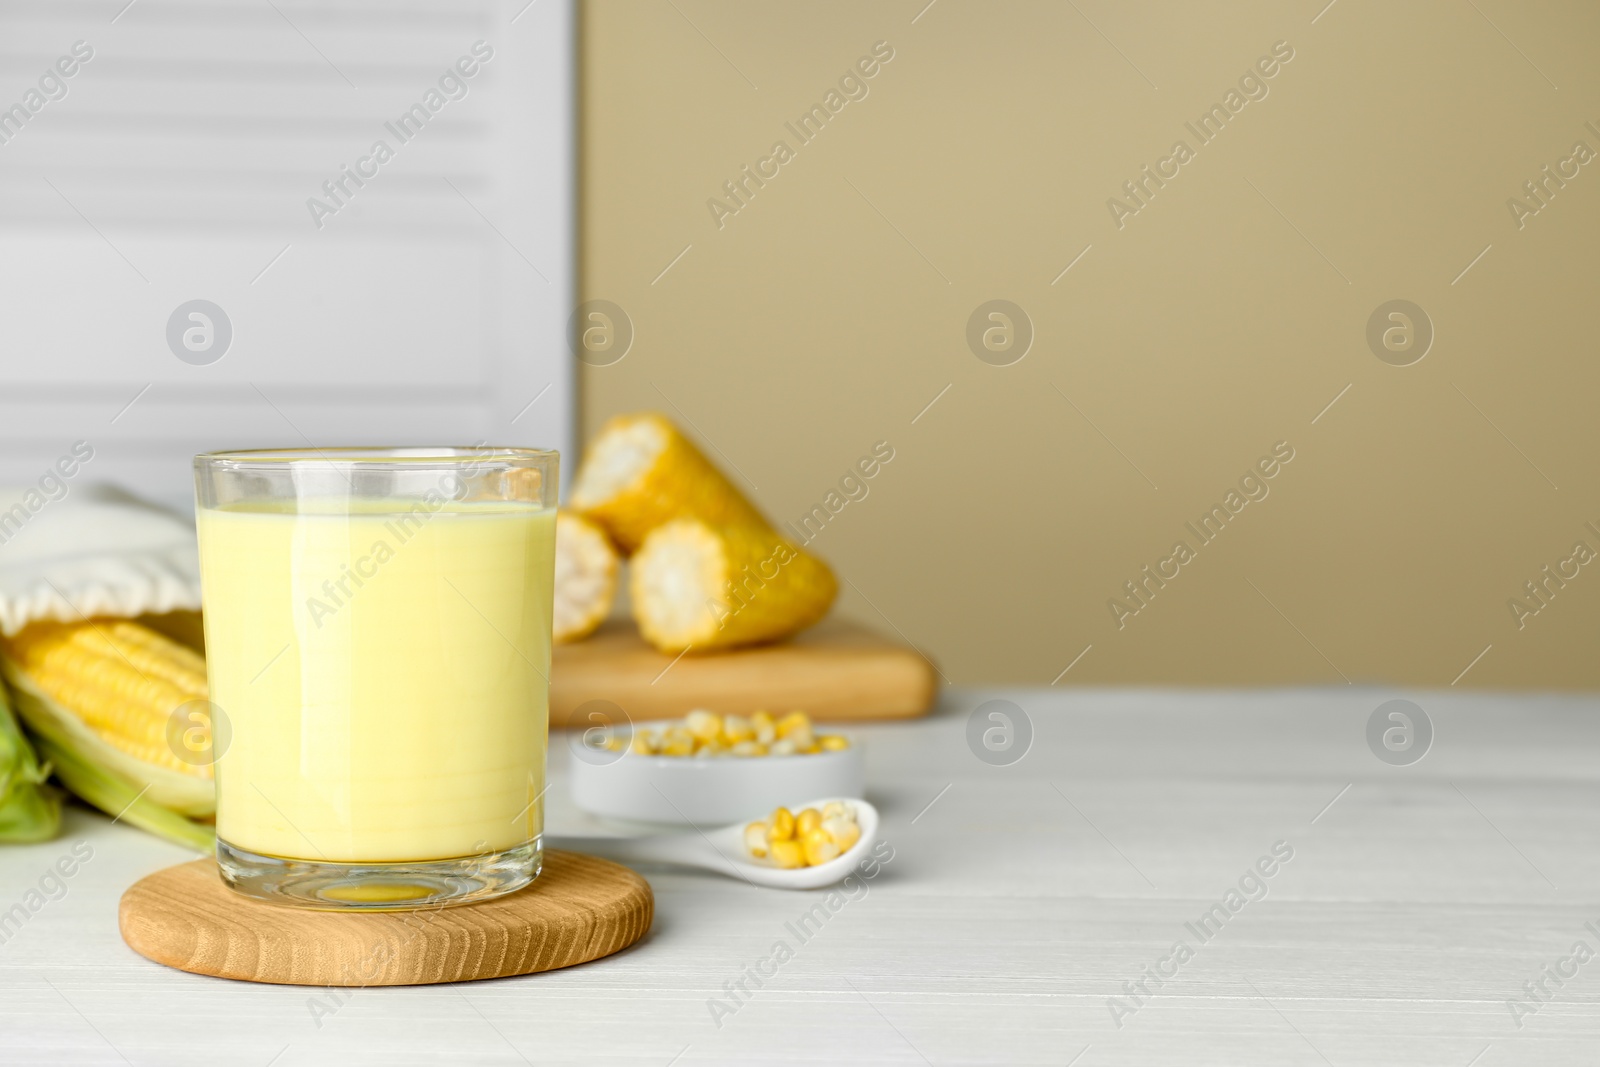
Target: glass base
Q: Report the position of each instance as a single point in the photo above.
(379, 886)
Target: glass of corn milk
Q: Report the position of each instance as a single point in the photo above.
(377, 625)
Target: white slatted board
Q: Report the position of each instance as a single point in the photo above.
(430, 309)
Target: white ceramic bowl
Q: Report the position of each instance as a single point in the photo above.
(699, 791)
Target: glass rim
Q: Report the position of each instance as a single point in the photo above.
(370, 457)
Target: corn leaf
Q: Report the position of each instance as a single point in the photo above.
(29, 809)
(123, 801)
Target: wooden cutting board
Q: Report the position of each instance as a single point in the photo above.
(834, 671)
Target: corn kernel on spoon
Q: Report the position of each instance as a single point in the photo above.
(722, 849)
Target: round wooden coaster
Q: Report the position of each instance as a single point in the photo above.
(579, 909)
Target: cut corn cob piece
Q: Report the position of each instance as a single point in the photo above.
(29, 809)
(104, 691)
(586, 577)
(711, 587)
(640, 472)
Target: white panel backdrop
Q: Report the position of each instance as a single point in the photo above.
(175, 164)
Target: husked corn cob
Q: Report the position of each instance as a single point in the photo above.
(640, 472)
(713, 586)
(122, 679)
(104, 691)
(586, 577)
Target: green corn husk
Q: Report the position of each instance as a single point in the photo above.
(30, 810)
(117, 798)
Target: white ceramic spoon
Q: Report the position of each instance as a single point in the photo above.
(722, 850)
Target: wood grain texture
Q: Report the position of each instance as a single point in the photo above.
(579, 909)
(835, 671)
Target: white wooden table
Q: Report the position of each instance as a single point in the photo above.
(1414, 908)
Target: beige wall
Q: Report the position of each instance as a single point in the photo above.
(1221, 318)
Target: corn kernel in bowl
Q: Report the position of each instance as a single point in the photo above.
(706, 734)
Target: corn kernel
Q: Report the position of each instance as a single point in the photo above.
(766, 730)
(781, 822)
(804, 839)
(705, 725)
(706, 733)
(843, 833)
(736, 728)
(819, 848)
(792, 722)
(788, 854)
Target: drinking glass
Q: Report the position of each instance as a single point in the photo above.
(377, 625)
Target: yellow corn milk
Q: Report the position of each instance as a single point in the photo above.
(382, 668)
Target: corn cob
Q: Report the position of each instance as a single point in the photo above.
(29, 809)
(711, 586)
(586, 577)
(103, 692)
(640, 472)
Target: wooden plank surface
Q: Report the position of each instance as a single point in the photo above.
(1018, 902)
(579, 909)
(837, 670)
